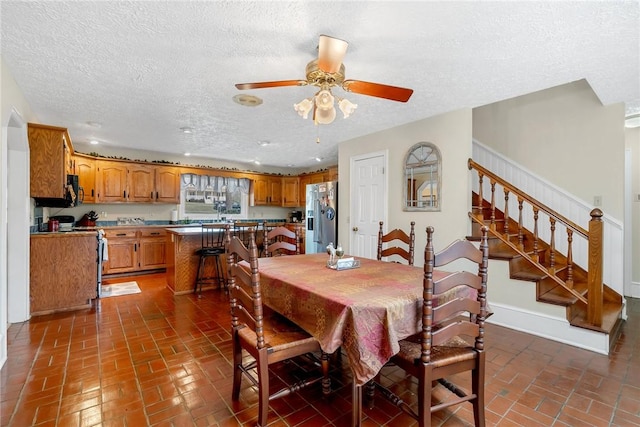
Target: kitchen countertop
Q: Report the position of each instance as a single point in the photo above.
(51, 234)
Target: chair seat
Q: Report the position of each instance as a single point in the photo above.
(279, 333)
(210, 251)
(453, 351)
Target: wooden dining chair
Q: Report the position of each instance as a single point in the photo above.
(267, 336)
(281, 241)
(241, 229)
(393, 239)
(452, 336)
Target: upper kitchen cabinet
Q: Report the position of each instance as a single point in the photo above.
(330, 174)
(141, 187)
(290, 196)
(50, 160)
(167, 184)
(111, 181)
(267, 190)
(118, 181)
(86, 171)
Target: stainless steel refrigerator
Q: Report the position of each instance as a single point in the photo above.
(322, 216)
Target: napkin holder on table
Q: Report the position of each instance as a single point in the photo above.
(345, 264)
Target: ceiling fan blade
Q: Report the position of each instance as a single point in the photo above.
(331, 52)
(393, 93)
(279, 83)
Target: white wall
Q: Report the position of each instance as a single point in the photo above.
(14, 154)
(632, 142)
(451, 133)
(564, 135)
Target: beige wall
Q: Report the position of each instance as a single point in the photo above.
(632, 142)
(564, 135)
(451, 133)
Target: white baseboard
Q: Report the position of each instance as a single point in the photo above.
(545, 326)
(635, 290)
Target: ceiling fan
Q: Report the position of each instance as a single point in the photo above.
(326, 72)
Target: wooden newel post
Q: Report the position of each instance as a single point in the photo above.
(594, 274)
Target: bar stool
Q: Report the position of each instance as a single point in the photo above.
(212, 247)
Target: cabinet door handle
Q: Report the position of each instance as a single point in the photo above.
(92, 192)
(155, 233)
(124, 194)
(135, 247)
(151, 197)
(121, 234)
(156, 195)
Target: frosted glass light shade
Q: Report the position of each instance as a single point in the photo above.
(303, 107)
(324, 117)
(347, 107)
(324, 100)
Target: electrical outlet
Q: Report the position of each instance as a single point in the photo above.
(597, 200)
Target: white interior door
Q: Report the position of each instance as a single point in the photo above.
(368, 202)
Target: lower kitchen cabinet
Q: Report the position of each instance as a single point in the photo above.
(63, 271)
(134, 250)
(153, 249)
(122, 247)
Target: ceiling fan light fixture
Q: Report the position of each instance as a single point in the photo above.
(325, 116)
(303, 107)
(347, 107)
(324, 100)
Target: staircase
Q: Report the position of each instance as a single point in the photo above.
(589, 303)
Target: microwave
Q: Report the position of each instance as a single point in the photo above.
(73, 196)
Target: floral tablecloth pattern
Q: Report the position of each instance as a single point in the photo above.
(365, 310)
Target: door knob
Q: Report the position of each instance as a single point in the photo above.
(355, 228)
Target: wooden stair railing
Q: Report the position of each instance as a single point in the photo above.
(543, 256)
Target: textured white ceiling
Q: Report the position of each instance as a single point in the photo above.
(145, 69)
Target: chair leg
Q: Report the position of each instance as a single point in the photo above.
(477, 386)
(425, 388)
(220, 275)
(263, 390)
(326, 380)
(237, 372)
(198, 287)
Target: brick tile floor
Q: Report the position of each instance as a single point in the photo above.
(158, 360)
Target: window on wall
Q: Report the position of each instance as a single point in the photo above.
(214, 197)
(422, 178)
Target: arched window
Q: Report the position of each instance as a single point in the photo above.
(422, 178)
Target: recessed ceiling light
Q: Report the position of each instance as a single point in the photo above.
(186, 129)
(257, 162)
(318, 159)
(95, 125)
(263, 143)
(94, 142)
(290, 165)
(187, 154)
(247, 100)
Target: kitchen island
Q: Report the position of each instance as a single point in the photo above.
(182, 260)
(63, 271)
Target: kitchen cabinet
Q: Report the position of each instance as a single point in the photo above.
(50, 160)
(267, 191)
(140, 185)
(85, 168)
(132, 250)
(62, 271)
(136, 182)
(111, 181)
(167, 183)
(122, 247)
(290, 191)
(330, 174)
(153, 252)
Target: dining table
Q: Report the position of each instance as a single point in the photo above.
(364, 311)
